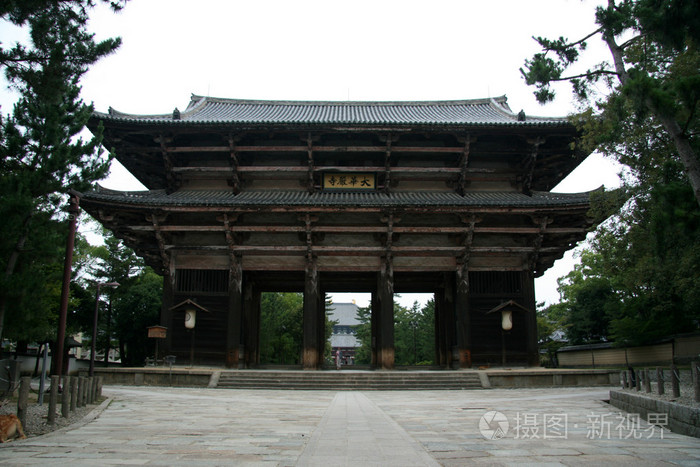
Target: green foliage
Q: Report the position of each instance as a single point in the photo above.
(639, 280)
(586, 297)
(363, 332)
(414, 342)
(551, 330)
(282, 332)
(653, 83)
(124, 312)
(136, 305)
(42, 155)
(281, 324)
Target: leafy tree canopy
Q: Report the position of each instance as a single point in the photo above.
(653, 72)
(42, 155)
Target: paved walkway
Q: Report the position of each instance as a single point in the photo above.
(191, 427)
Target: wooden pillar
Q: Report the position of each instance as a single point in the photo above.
(166, 314)
(528, 281)
(321, 328)
(374, 325)
(251, 325)
(445, 325)
(385, 296)
(463, 337)
(440, 355)
(310, 358)
(235, 312)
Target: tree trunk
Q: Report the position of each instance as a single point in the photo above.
(10, 269)
(688, 157)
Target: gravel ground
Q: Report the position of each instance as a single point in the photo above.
(687, 396)
(36, 423)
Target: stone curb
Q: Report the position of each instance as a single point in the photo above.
(681, 418)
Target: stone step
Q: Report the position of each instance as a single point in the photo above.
(308, 380)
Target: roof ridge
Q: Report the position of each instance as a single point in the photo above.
(197, 101)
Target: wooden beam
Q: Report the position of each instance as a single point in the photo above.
(233, 161)
(360, 149)
(356, 229)
(414, 251)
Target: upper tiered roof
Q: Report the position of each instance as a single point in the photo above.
(458, 113)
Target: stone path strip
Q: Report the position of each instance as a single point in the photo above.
(355, 431)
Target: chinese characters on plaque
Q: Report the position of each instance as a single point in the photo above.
(349, 181)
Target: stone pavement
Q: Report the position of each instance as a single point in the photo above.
(183, 426)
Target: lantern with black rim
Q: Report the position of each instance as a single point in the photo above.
(190, 309)
(507, 309)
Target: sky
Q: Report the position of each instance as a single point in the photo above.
(355, 50)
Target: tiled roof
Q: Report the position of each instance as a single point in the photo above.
(344, 313)
(193, 198)
(209, 110)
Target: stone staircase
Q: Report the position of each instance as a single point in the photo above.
(348, 380)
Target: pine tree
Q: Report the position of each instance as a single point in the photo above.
(42, 155)
(654, 73)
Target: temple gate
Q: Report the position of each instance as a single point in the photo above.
(451, 198)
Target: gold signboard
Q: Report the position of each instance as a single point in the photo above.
(157, 332)
(349, 181)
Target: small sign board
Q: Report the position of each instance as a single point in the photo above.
(349, 181)
(157, 332)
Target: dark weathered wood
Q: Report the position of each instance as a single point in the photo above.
(311, 359)
(357, 229)
(659, 380)
(349, 149)
(385, 321)
(431, 241)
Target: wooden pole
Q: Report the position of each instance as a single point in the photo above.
(659, 380)
(73, 212)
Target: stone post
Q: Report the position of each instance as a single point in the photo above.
(695, 366)
(659, 380)
(647, 380)
(53, 400)
(73, 392)
(81, 391)
(65, 397)
(23, 399)
(675, 381)
(623, 379)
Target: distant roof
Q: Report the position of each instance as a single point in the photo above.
(210, 110)
(344, 313)
(226, 198)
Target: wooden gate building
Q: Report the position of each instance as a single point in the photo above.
(451, 198)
